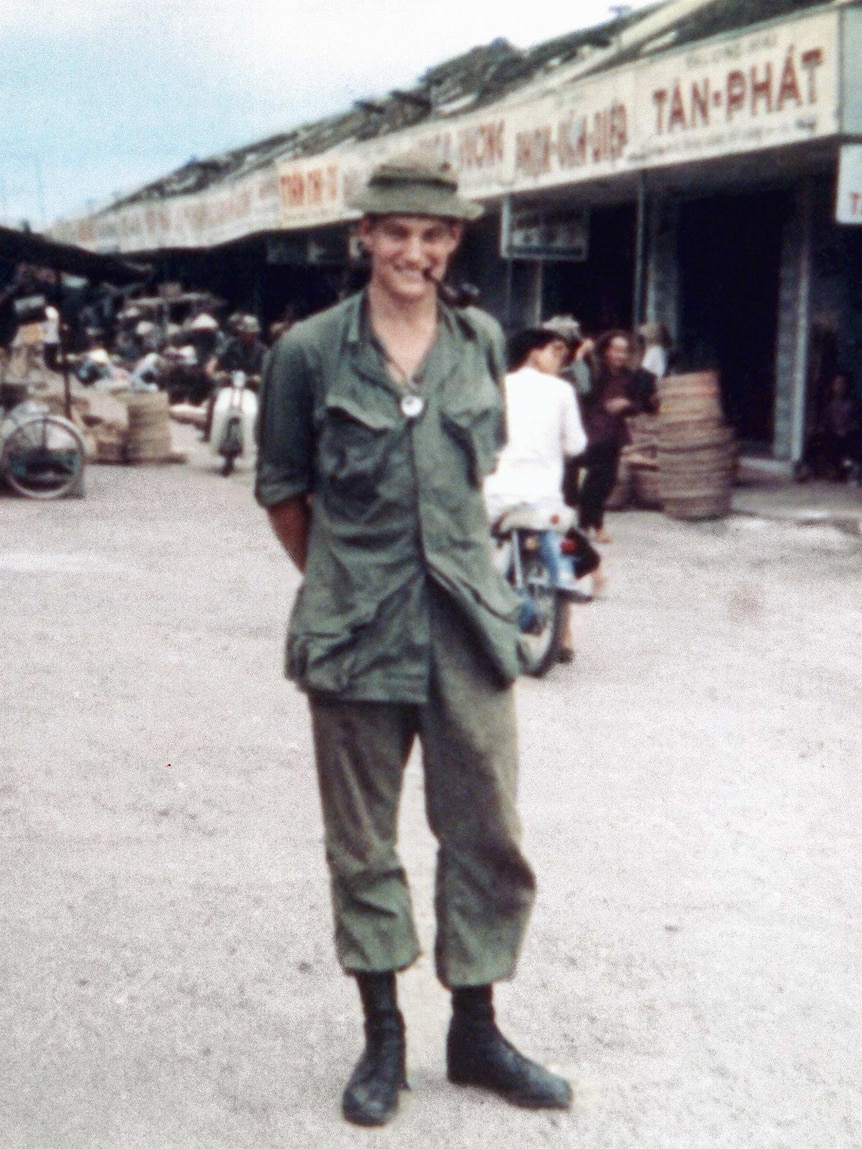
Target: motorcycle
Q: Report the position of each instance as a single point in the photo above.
(234, 413)
(535, 550)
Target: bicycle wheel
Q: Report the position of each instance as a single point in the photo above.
(43, 457)
(541, 642)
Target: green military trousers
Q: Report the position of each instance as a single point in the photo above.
(484, 887)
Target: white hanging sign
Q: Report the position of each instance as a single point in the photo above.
(848, 201)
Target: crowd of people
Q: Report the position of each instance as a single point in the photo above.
(187, 360)
(568, 399)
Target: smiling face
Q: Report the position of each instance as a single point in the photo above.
(405, 250)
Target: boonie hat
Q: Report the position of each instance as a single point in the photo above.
(416, 183)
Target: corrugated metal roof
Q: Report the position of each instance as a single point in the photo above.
(722, 16)
(475, 79)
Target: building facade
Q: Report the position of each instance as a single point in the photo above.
(683, 167)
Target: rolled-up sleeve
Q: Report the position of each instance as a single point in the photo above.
(285, 426)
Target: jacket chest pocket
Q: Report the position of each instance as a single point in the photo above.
(478, 428)
(353, 444)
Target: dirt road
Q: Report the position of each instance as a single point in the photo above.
(691, 801)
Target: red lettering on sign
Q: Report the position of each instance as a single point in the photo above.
(314, 186)
(619, 130)
(761, 89)
(699, 104)
(788, 89)
(659, 98)
(676, 118)
(572, 142)
(533, 151)
(482, 147)
(811, 61)
(735, 92)
(332, 183)
(293, 189)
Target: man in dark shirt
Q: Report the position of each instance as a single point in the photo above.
(244, 352)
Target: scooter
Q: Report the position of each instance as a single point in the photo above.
(534, 551)
(234, 414)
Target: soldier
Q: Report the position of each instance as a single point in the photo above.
(380, 419)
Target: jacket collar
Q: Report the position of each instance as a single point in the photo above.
(367, 356)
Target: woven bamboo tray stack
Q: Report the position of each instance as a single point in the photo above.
(697, 452)
(110, 443)
(149, 437)
(641, 457)
(637, 475)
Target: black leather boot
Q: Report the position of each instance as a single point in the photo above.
(478, 1054)
(371, 1096)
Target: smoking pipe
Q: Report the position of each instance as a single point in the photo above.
(465, 295)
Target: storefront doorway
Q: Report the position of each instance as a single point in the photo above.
(599, 291)
(729, 261)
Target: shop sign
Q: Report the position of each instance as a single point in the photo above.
(286, 250)
(531, 234)
(311, 191)
(764, 89)
(848, 201)
(208, 218)
(768, 88)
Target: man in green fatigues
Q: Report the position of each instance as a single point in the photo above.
(379, 420)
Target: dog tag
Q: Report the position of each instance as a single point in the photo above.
(412, 406)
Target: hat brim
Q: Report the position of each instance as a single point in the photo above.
(427, 200)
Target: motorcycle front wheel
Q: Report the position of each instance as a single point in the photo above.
(542, 639)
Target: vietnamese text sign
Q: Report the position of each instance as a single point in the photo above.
(848, 202)
(765, 88)
(547, 234)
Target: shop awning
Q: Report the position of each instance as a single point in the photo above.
(30, 247)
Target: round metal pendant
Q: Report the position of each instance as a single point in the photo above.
(412, 406)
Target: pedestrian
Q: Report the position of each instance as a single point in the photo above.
(613, 398)
(834, 450)
(51, 337)
(244, 351)
(544, 430)
(656, 344)
(380, 418)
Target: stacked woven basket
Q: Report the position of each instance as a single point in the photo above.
(697, 456)
(149, 439)
(684, 459)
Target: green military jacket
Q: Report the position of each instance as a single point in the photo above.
(396, 501)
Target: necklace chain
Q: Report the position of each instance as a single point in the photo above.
(411, 382)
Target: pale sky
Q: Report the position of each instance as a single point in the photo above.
(98, 97)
